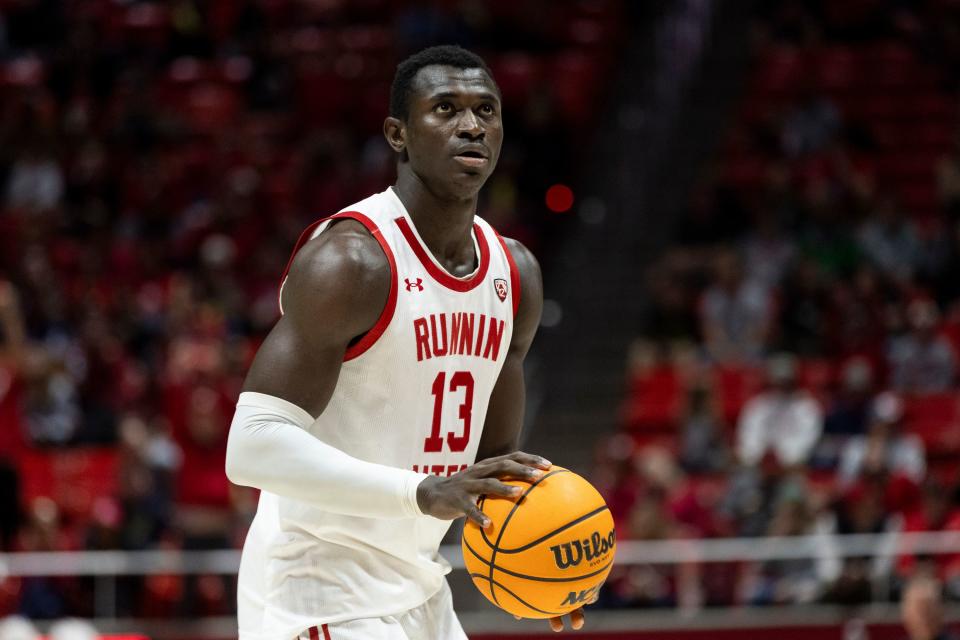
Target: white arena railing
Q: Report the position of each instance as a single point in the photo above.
(106, 566)
(629, 552)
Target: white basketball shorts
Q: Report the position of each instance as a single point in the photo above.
(433, 620)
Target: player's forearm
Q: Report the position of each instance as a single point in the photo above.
(270, 449)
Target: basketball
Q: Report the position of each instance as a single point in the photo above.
(547, 551)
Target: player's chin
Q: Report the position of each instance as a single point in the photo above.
(466, 184)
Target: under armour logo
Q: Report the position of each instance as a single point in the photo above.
(418, 283)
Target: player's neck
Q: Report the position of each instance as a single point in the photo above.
(443, 224)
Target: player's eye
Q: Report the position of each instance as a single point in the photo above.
(443, 107)
(487, 109)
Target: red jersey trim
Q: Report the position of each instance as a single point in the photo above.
(370, 337)
(438, 274)
(514, 276)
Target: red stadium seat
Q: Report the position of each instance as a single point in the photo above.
(73, 478)
(781, 72)
(211, 107)
(517, 74)
(23, 72)
(898, 165)
(936, 419)
(655, 400)
(574, 77)
(918, 196)
(835, 69)
(735, 386)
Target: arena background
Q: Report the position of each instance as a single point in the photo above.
(747, 213)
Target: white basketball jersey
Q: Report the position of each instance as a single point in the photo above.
(413, 394)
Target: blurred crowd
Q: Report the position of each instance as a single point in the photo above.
(158, 161)
(797, 372)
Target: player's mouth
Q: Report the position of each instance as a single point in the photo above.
(472, 157)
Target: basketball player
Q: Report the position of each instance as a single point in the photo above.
(397, 362)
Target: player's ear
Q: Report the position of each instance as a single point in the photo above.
(396, 133)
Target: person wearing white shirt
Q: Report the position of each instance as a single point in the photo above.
(783, 420)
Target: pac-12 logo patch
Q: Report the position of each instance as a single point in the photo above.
(500, 285)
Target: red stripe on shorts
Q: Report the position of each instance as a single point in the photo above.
(314, 634)
(326, 633)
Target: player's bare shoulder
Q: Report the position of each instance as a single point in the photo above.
(342, 275)
(531, 291)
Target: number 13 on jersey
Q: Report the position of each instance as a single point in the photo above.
(456, 441)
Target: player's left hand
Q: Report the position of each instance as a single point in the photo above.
(576, 619)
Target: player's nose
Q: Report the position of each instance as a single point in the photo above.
(468, 126)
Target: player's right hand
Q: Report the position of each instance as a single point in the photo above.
(455, 496)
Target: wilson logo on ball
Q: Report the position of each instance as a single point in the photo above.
(571, 554)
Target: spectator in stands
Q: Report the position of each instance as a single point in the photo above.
(713, 215)
(921, 361)
(52, 403)
(755, 494)
(811, 124)
(947, 278)
(784, 581)
(12, 361)
(735, 314)
(948, 182)
(859, 310)
(884, 449)
(36, 181)
(784, 420)
(848, 412)
(666, 509)
(768, 251)
(921, 610)
(148, 461)
(672, 319)
(860, 510)
(935, 513)
(42, 596)
(890, 241)
(702, 447)
(825, 234)
(804, 311)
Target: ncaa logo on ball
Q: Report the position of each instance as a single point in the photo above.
(594, 548)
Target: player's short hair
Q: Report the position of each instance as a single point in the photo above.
(446, 55)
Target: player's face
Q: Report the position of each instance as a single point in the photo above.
(454, 129)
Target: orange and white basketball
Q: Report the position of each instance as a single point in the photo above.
(548, 551)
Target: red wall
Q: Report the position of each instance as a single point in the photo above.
(876, 632)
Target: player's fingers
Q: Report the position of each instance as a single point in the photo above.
(474, 513)
(513, 470)
(576, 619)
(556, 624)
(493, 487)
(530, 459)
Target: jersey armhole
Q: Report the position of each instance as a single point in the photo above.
(515, 289)
(366, 340)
